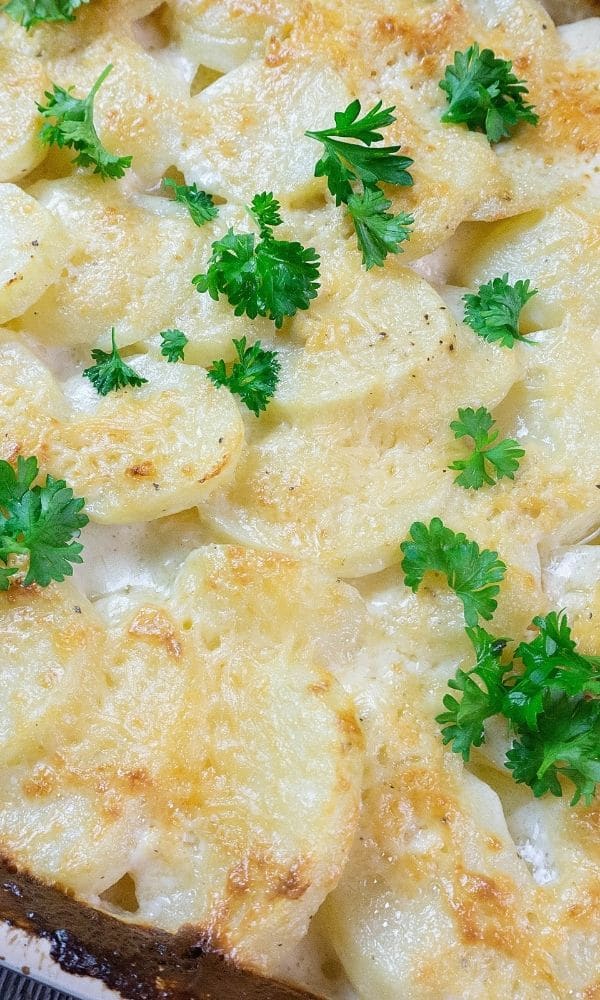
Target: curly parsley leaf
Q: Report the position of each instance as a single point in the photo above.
(564, 742)
(344, 162)
(484, 93)
(199, 204)
(173, 344)
(38, 522)
(482, 694)
(268, 277)
(503, 456)
(550, 696)
(494, 311)
(253, 377)
(550, 663)
(378, 231)
(110, 371)
(264, 209)
(73, 127)
(28, 13)
(473, 574)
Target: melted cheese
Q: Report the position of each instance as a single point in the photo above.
(245, 742)
(157, 764)
(134, 455)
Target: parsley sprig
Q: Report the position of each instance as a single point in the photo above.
(110, 371)
(38, 522)
(28, 13)
(199, 204)
(264, 277)
(485, 94)
(550, 664)
(253, 377)
(173, 344)
(490, 459)
(463, 720)
(73, 127)
(549, 693)
(494, 311)
(472, 573)
(348, 164)
(378, 231)
(565, 742)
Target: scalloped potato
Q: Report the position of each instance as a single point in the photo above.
(219, 739)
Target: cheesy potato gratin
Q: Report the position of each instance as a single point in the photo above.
(300, 495)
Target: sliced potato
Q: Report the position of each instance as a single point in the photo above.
(50, 638)
(34, 248)
(141, 453)
(117, 274)
(140, 109)
(136, 454)
(342, 482)
(22, 83)
(245, 132)
(434, 880)
(220, 726)
(556, 404)
(221, 34)
(30, 400)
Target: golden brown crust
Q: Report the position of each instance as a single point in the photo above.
(141, 963)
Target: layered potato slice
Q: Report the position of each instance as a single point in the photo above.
(30, 399)
(54, 40)
(141, 108)
(456, 867)
(136, 454)
(143, 284)
(49, 639)
(22, 82)
(34, 248)
(222, 34)
(434, 881)
(557, 402)
(246, 131)
(218, 772)
(145, 452)
(363, 445)
(397, 53)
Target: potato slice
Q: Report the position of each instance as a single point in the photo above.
(219, 727)
(434, 880)
(220, 34)
(49, 638)
(141, 453)
(342, 486)
(141, 107)
(30, 399)
(33, 248)
(245, 132)
(136, 454)
(22, 83)
(556, 403)
(132, 268)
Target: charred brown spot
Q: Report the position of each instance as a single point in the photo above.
(40, 784)
(293, 884)
(154, 623)
(350, 726)
(218, 468)
(238, 880)
(137, 777)
(142, 471)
